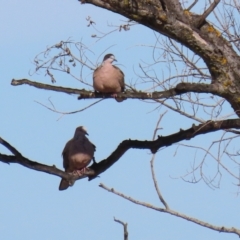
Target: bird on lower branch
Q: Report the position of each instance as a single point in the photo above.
(77, 154)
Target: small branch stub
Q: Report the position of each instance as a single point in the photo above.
(125, 230)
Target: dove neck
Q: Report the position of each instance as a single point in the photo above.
(107, 62)
(78, 136)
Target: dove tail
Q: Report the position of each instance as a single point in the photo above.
(64, 184)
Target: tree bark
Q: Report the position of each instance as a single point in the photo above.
(168, 18)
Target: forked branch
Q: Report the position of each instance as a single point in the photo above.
(125, 231)
(174, 213)
(97, 168)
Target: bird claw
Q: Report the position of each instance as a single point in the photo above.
(114, 95)
(79, 172)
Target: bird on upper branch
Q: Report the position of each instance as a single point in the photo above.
(108, 78)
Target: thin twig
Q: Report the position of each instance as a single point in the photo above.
(152, 165)
(174, 213)
(65, 113)
(192, 5)
(124, 228)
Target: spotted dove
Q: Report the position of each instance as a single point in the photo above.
(108, 78)
(77, 154)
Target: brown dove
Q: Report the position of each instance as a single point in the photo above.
(77, 154)
(108, 78)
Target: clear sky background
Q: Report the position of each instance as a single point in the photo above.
(31, 205)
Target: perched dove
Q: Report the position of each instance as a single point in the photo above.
(108, 78)
(77, 154)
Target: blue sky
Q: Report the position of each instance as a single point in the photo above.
(31, 205)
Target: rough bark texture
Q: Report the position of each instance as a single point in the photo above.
(170, 19)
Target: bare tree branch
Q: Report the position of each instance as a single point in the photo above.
(192, 5)
(125, 231)
(152, 166)
(196, 52)
(20, 159)
(71, 112)
(10, 148)
(181, 88)
(169, 19)
(207, 12)
(174, 213)
(103, 165)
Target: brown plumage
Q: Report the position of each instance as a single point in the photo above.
(108, 78)
(77, 154)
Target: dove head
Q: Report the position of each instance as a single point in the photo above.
(80, 131)
(109, 58)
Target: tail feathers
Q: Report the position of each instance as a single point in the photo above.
(64, 184)
(120, 99)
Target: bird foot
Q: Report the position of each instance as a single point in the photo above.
(79, 172)
(118, 99)
(114, 95)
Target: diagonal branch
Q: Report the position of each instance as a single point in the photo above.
(174, 213)
(20, 159)
(192, 5)
(10, 148)
(207, 12)
(97, 168)
(161, 141)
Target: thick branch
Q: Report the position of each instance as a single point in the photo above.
(155, 145)
(97, 168)
(181, 88)
(169, 19)
(46, 86)
(175, 8)
(20, 159)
